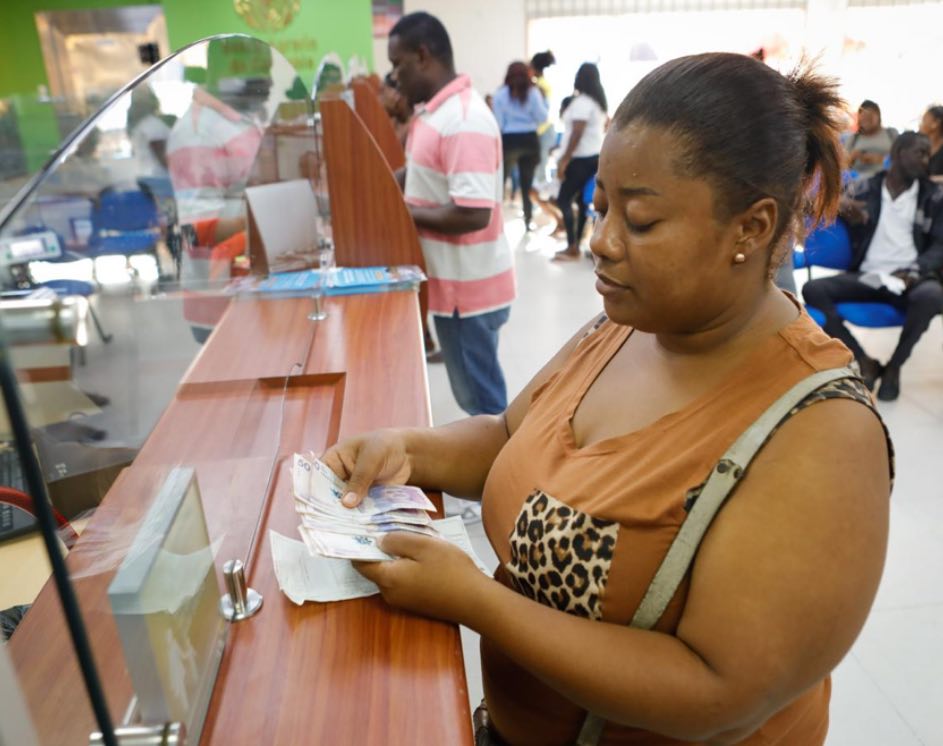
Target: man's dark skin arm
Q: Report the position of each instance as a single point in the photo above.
(451, 219)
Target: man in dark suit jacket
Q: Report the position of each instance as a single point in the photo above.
(895, 220)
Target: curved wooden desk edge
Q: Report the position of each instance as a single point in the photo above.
(370, 221)
(350, 672)
(377, 121)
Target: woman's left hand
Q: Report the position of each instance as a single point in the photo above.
(429, 577)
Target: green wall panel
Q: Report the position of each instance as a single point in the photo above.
(313, 28)
(303, 30)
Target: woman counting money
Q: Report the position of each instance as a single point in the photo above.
(705, 411)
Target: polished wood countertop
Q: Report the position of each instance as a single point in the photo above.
(268, 383)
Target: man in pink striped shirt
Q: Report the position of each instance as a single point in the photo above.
(453, 184)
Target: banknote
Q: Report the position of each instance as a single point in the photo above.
(304, 575)
(314, 524)
(330, 529)
(343, 546)
(416, 517)
(365, 546)
(314, 482)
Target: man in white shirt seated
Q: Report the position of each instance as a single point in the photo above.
(896, 223)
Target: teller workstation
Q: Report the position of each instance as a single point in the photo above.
(213, 273)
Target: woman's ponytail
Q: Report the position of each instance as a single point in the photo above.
(818, 100)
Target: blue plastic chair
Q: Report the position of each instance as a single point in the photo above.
(126, 223)
(830, 247)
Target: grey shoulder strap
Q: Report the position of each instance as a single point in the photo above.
(721, 482)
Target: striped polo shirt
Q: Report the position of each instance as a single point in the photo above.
(453, 154)
(211, 150)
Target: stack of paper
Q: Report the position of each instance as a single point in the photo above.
(331, 529)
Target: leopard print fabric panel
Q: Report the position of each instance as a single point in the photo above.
(560, 556)
(843, 388)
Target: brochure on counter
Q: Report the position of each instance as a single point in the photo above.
(339, 281)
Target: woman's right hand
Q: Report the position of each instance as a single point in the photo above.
(379, 456)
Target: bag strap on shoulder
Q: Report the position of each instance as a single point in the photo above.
(721, 482)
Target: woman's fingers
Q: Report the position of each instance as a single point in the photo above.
(333, 461)
(346, 461)
(364, 460)
(405, 544)
(372, 571)
(364, 471)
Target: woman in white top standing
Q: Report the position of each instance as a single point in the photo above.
(584, 123)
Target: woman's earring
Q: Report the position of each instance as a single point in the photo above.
(739, 258)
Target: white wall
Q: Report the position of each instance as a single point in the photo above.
(886, 53)
(487, 35)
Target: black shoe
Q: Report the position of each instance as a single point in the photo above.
(890, 384)
(435, 356)
(871, 371)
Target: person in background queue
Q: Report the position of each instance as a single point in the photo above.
(931, 125)
(520, 109)
(546, 131)
(871, 144)
(452, 185)
(584, 123)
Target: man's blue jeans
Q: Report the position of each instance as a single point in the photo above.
(470, 350)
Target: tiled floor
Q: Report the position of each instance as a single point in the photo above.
(888, 691)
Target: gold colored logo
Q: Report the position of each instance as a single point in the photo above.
(267, 15)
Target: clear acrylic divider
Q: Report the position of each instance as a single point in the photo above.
(118, 260)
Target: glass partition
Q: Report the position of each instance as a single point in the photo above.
(117, 261)
(24, 672)
(31, 128)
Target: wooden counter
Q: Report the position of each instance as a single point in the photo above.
(354, 672)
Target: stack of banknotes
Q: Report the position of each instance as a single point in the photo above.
(330, 529)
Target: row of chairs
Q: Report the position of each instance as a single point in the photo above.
(830, 247)
(125, 222)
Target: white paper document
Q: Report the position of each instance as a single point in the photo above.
(303, 577)
(306, 577)
(453, 531)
